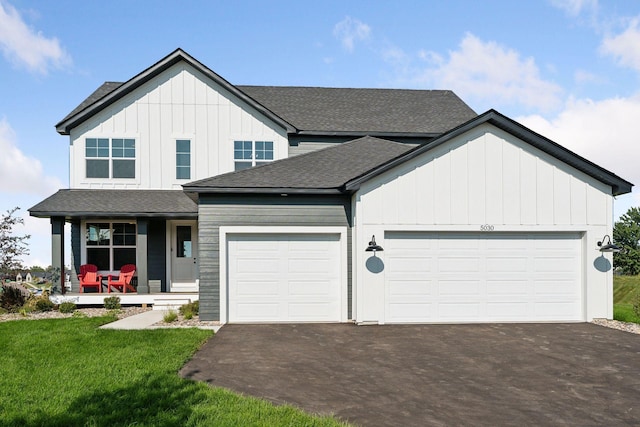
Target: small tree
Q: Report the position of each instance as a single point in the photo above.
(626, 234)
(12, 246)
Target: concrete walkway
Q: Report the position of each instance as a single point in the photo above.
(147, 320)
(139, 321)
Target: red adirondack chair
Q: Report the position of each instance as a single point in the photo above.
(89, 277)
(124, 279)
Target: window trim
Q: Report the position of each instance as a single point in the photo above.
(253, 161)
(191, 156)
(110, 158)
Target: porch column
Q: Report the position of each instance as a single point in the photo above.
(57, 251)
(141, 257)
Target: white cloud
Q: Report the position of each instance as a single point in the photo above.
(575, 7)
(350, 30)
(19, 173)
(624, 47)
(489, 73)
(604, 132)
(24, 46)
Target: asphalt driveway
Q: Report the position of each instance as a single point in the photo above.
(490, 374)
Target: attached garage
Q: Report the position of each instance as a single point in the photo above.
(489, 222)
(482, 277)
(286, 277)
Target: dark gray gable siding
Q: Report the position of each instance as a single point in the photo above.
(233, 210)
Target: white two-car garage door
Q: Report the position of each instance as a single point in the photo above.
(284, 277)
(482, 277)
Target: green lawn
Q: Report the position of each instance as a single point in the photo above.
(625, 289)
(67, 372)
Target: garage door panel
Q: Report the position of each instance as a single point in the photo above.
(458, 264)
(404, 288)
(248, 287)
(258, 311)
(411, 264)
(409, 312)
(508, 277)
(308, 288)
(506, 288)
(259, 265)
(459, 310)
(458, 288)
(507, 264)
(309, 311)
(300, 279)
(556, 264)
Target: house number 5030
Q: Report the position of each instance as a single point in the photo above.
(486, 227)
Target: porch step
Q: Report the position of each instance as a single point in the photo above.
(165, 304)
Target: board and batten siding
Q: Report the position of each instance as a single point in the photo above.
(488, 179)
(214, 212)
(181, 103)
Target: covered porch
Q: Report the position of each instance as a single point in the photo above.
(154, 229)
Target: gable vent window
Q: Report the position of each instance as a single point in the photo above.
(115, 158)
(183, 159)
(247, 154)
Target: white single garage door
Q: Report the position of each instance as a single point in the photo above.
(284, 278)
(482, 277)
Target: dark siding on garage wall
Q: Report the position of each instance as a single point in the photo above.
(216, 211)
(157, 252)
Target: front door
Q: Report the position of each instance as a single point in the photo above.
(184, 261)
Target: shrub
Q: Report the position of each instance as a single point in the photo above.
(188, 315)
(112, 303)
(192, 307)
(67, 307)
(13, 296)
(43, 303)
(170, 316)
(78, 314)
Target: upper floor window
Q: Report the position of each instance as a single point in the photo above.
(247, 154)
(115, 158)
(183, 159)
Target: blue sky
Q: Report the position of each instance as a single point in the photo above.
(568, 69)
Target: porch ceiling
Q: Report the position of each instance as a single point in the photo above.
(116, 203)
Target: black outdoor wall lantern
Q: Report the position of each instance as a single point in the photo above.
(606, 245)
(373, 246)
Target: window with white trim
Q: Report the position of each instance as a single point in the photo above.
(115, 158)
(183, 159)
(247, 154)
(110, 245)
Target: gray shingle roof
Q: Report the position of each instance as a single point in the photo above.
(380, 111)
(117, 203)
(322, 171)
(310, 110)
(105, 89)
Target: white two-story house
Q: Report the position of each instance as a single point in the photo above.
(262, 201)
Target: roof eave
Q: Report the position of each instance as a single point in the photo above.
(378, 134)
(92, 214)
(65, 126)
(256, 190)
